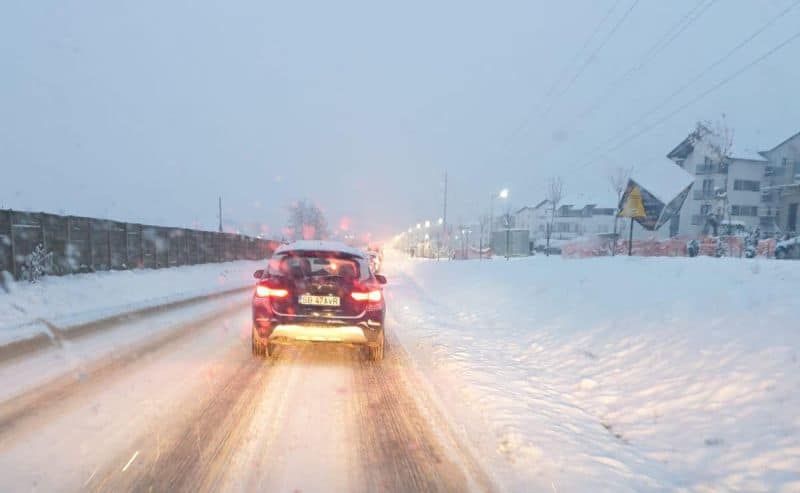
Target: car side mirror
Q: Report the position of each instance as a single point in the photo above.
(380, 278)
(258, 274)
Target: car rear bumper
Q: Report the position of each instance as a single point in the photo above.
(349, 334)
(281, 329)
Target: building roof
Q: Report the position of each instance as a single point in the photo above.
(746, 154)
(686, 146)
(320, 246)
(782, 142)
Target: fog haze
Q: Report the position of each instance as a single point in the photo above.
(148, 111)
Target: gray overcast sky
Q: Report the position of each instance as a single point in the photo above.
(147, 110)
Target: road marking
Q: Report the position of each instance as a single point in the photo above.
(130, 461)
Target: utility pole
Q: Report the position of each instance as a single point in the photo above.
(444, 216)
(220, 214)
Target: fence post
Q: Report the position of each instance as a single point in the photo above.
(68, 245)
(44, 234)
(91, 249)
(141, 246)
(127, 262)
(109, 225)
(14, 270)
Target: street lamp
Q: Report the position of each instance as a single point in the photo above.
(503, 194)
(439, 238)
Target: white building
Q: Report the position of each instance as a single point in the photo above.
(727, 189)
(569, 222)
(781, 185)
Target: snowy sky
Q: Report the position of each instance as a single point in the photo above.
(148, 110)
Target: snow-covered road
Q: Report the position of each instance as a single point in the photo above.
(539, 374)
(187, 408)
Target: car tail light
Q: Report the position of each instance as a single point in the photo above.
(263, 291)
(373, 296)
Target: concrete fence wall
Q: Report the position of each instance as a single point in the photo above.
(82, 244)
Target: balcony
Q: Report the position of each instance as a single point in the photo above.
(703, 194)
(710, 169)
(774, 171)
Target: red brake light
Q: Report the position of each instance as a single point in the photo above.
(373, 296)
(268, 292)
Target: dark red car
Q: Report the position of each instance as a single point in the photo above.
(318, 291)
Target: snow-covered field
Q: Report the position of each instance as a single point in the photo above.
(613, 374)
(79, 298)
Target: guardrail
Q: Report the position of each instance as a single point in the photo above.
(37, 243)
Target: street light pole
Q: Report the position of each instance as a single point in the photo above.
(480, 242)
(427, 239)
(508, 233)
(503, 194)
(438, 239)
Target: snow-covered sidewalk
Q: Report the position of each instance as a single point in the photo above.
(613, 374)
(81, 298)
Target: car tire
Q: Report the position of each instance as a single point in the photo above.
(257, 345)
(780, 253)
(376, 352)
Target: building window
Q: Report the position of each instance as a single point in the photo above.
(747, 185)
(705, 209)
(707, 161)
(744, 210)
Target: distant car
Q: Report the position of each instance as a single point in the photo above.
(318, 291)
(789, 248)
(374, 261)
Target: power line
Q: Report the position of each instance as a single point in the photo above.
(565, 70)
(583, 48)
(681, 26)
(593, 55)
(701, 74)
(697, 98)
(587, 61)
(656, 48)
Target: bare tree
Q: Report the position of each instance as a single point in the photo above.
(554, 195)
(719, 140)
(483, 222)
(618, 179)
(307, 221)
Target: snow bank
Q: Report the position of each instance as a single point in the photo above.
(79, 298)
(613, 374)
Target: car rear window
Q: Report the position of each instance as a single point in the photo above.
(317, 264)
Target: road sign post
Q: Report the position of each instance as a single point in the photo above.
(632, 208)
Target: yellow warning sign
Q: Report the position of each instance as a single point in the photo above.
(633, 204)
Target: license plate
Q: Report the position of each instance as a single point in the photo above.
(310, 299)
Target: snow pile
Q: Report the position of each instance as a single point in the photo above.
(613, 374)
(79, 298)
